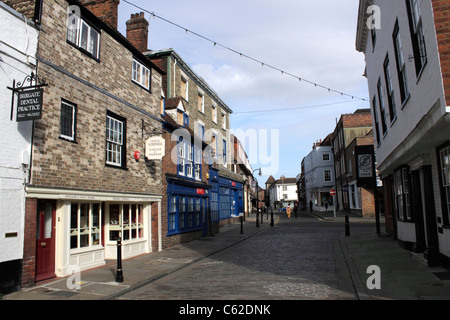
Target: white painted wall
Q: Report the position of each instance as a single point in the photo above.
(18, 44)
(424, 93)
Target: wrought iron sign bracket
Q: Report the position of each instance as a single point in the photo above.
(32, 78)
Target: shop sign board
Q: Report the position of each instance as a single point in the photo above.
(29, 105)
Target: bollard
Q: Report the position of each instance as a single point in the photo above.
(347, 226)
(271, 217)
(242, 224)
(119, 275)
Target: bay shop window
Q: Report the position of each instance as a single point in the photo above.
(126, 221)
(85, 228)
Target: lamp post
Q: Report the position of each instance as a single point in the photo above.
(257, 197)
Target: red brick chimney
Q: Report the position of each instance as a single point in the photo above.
(106, 10)
(137, 31)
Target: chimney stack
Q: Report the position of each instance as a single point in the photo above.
(137, 31)
(106, 10)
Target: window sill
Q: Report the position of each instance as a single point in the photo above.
(116, 167)
(68, 140)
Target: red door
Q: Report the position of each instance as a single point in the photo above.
(45, 240)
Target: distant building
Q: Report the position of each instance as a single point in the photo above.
(281, 192)
(348, 192)
(319, 177)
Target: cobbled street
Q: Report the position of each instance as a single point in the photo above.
(300, 258)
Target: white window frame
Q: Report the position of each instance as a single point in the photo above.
(88, 228)
(202, 95)
(181, 158)
(190, 161)
(75, 35)
(214, 113)
(224, 120)
(141, 74)
(72, 136)
(114, 141)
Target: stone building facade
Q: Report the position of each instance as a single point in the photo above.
(89, 184)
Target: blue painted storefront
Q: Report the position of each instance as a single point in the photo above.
(226, 197)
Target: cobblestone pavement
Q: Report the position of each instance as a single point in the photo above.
(298, 259)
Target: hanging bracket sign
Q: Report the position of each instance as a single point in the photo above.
(29, 100)
(29, 105)
(155, 148)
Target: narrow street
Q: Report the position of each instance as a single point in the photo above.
(300, 258)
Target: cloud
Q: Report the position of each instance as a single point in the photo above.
(314, 40)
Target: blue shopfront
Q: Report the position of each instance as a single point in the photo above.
(226, 197)
(187, 206)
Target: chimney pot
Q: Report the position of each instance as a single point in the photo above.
(137, 31)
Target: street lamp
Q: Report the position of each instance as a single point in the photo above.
(257, 197)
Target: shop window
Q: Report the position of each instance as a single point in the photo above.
(126, 221)
(184, 214)
(84, 225)
(172, 214)
(402, 194)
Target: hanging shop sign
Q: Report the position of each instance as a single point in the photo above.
(155, 148)
(29, 98)
(29, 105)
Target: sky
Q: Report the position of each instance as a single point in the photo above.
(312, 40)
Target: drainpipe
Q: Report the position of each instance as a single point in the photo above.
(174, 76)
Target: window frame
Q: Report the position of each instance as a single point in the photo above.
(443, 186)
(417, 35)
(377, 128)
(402, 194)
(123, 146)
(390, 89)
(73, 126)
(325, 171)
(138, 74)
(401, 64)
(382, 108)
(76, 40)
(88, 229)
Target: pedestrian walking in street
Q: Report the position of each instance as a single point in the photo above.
(296, 210)
(310, 205)
(288, 212)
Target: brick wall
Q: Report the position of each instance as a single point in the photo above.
(29, 254)
(441, 11)
(368, 203)
(60, 163)
(137, 31)
(107, 10)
